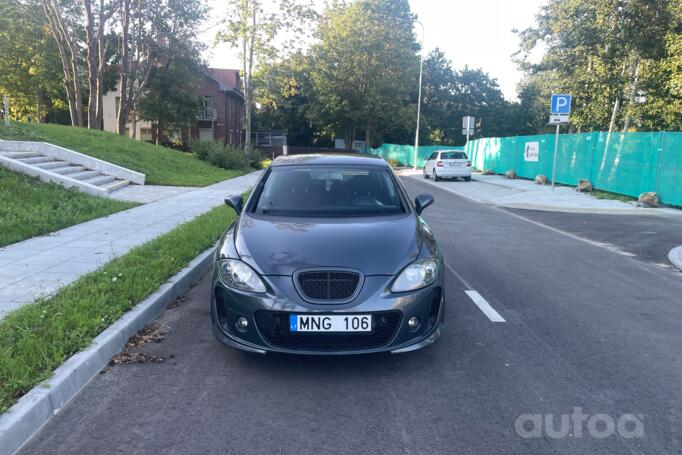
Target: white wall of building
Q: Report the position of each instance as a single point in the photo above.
(143, 130)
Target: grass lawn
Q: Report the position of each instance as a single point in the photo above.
(599, 194)
(161, 165)
(36, 339)
(30, 208)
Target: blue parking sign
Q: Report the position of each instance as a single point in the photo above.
(561, 104)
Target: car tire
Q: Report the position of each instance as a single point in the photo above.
(435, 176)
(426, 176)
(467, 179)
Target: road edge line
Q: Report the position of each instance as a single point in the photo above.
(675, 256)
(26, 417)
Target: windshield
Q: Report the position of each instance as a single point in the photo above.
(329, 191)
(453, 156)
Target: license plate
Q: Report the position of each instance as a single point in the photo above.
(455, 164)
(330, 323)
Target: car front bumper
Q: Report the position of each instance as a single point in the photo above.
(267, 333)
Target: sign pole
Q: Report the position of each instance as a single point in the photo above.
(556, 151)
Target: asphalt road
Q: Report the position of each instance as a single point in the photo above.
(650, 238)
(585, 327)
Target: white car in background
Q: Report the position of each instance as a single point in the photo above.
(448, 164)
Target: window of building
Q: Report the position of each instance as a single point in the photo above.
(205, 108)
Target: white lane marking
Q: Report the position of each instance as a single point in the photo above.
(484, 306)
(459, 277)
(477, 298)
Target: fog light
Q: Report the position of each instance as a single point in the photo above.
(413, 322)
(242, 323)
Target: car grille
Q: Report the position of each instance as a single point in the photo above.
(274, 327)
(328, 285)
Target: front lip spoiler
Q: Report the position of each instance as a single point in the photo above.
(422, 344)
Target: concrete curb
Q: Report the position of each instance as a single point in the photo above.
(675, 257)
(36, 408)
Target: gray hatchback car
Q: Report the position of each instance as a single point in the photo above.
(328, 256)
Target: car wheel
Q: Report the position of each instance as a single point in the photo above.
(435, 176)
(426, 176)
(467, 179)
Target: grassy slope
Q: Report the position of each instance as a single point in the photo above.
(31, 208)
(36, 339)
(162, 166)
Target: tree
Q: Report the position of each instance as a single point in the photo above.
(169, 99)
(252, 28)
(607, 53)
(29, 67)
(282, 93)
(151, 34)
(62, 24)
(364, 71)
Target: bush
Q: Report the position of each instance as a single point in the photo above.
(219, 154)
(394, 162)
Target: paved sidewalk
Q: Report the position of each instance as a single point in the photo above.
(39, 266)
(519, 193)
(148, 193)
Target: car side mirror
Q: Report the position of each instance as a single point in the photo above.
(235, 201)
(422, 201)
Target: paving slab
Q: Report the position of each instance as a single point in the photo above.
(38, 267)
(148, 193)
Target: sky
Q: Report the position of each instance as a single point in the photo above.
(477, 33)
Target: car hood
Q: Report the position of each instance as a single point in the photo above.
(375, 246)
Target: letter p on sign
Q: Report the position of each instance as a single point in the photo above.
(561, 104)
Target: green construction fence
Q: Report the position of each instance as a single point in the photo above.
(624, 163)
(404, 154)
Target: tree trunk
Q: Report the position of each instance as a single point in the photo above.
(614, 114)
(73, 63)
(101, 56)
(248, 98)
(633, 93)
(122, 116)
(68, 79)
(40, 96)
(92, 57)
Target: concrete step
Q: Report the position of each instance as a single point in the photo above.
(100, 180)
(18, 155)
(52, 164)
(36, 159)
(69, 169)
(116, 185)
(84, 175)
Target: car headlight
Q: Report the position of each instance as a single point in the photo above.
(238, 275)
(417, 275)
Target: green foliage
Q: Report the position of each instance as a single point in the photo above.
(162, 166)
(31, 208)
(219, 154)
(36, 339)
(449, 95)
(30, 69)
(620, 60)
(364, 71)
(282, 92)
(169, 99)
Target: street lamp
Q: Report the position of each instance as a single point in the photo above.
(419, 96)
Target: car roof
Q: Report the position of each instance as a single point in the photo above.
(355, 159)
